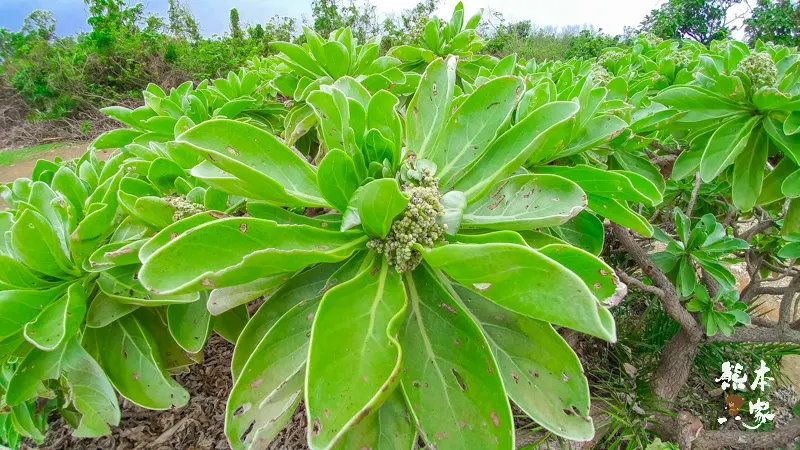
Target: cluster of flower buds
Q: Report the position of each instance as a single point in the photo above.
(681, 58)
(610, 57)
(417, 225)
(600, 74)
(652, 40)
(183, 207)
(761, 70)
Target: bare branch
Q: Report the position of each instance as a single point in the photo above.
(693, 199)
(788, 300)
(757, 228)
(759, 334)
(779, 437)
(670, 299)
(635, 282)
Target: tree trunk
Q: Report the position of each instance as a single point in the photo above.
(676, 365)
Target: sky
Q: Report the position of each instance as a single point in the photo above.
(612, 16)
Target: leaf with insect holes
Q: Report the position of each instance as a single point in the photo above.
(510, 151)
(541, 373)
(524, 202)
(254, 248)
(525, 281)
(473, 126)
(127, 353)
(390, 428)
(272, 171)
(270, 385)
(189, 324)
(59, 321)
(354, 358)
(430, 107)
(450, 378)
(299, 289)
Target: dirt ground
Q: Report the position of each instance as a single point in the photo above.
(23, 169)
(198, 425)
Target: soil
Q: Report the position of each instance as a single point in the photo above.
(198, 425)
(23, 169)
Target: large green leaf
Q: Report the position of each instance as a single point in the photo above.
(725, 145)
(510, 151)
(450, 379)
(122, 285)
(388, 429)
(105, 310)
(272, 170)
(584, 231)
(619, 212)
(430, 107)
(615, 184)
(337, 178)
(92, 393)
(22, 306)
(474, 126)
(254, 248)
(541, 373)
(598, 276)
(524, 202)
(789, 144)
(748, 171)
(379, 202)
(36, 244)
(527, 282)
(270, 385)
(224, 299)
(128, 354)
(300, 288)
(59, 321)
(772, 187)
(38, 366)
(695, 98)
(354, 358)
(189, 324)
(230, 324)
(16, 275)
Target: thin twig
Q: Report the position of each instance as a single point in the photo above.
(693, 199)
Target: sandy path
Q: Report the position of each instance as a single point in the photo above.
(23, 169)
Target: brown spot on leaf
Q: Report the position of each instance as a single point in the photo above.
(495, 419)
(449, 308)
(564, 377)
(597, 285)
(515, 377)
(496, 203)
(135, 376)
(325, 413)
(458, 343)
(207, 283)
(603, 273)
(489, 366)
(217, 214)
(310, 316)
(459, 380)
(256, 383)
(231, 150)
(243, 227)
(316, 428)
(173, 235)
(373, 271)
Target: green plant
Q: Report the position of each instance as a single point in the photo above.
(425, 299)
(703, 245)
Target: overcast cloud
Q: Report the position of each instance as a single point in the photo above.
(612, 16)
